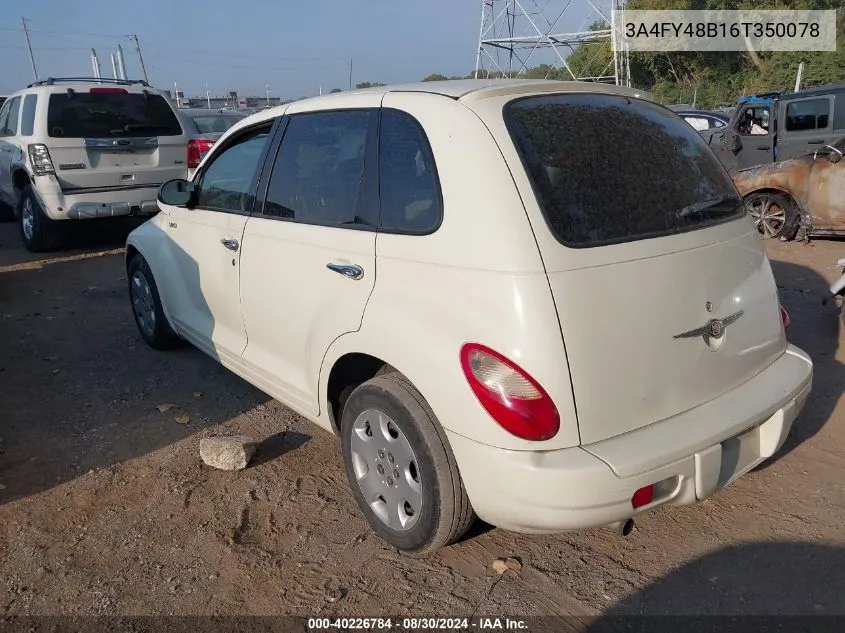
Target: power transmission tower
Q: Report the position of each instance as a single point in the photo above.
(517, 35)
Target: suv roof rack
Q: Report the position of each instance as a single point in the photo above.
(51, 81)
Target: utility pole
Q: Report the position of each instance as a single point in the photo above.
(267, 89)
(207, 95)
(141, 58)
(350, 73)
(29, 47)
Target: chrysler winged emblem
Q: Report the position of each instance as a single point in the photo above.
(714, 328)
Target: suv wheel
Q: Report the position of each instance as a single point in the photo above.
(400, 467)
(147, 308)
(38, 232)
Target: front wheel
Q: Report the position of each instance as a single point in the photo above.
(774, 214)
(147, 308)
(401, 468)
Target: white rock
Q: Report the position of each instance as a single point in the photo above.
(227, 453)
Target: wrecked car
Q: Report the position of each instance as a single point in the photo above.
(805, 194)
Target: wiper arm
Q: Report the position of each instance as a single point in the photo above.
(705, 204)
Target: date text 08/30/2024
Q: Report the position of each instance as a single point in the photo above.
(416, 624)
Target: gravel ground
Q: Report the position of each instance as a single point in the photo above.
(106, 508)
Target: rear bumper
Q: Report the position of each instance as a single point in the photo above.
(592, 486)
(85, 205)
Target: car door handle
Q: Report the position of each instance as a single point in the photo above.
(764, 147)
(350, 271)
(232, 245)
(815, 142)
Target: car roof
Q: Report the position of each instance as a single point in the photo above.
(208, 111)
(715, 115)
(458, 89)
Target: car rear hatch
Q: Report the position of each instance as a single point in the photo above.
(110, 137)
(665, 297)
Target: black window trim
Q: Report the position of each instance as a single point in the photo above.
(366, 189)
(435, 173)
(273, 125)
(599, 243)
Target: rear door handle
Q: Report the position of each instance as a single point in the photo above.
(350, 271)
(232, 245)
(764, 147)
(815, 142)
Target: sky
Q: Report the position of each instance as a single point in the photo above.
(296, 46)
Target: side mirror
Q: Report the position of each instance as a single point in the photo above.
(177, 193)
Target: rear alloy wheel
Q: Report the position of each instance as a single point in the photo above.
(39, 233)
(774, 215)
(400, 467)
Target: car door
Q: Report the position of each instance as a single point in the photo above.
(8, 128)
(756, 149)
(806, 125)
(203, 283)
(308, 261)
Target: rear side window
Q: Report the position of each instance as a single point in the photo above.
(318, 174)
(28, 117)
(408, 185)
(807, 115)
(608, 169)
(110, 114)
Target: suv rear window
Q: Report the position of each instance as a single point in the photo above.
(105, 115)
(608, 169)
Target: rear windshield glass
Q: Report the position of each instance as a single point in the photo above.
(609, 169)
(214, 123)
(104, 115)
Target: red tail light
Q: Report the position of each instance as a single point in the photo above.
(197, 147)
(784, 317)
(113, 91)
(513, 398)
(643, 496)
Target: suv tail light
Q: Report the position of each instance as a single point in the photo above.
(39, 158)
(784, 317)
(197, 148)
(514, 399)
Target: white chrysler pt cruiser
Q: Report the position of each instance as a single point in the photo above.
(539, 303)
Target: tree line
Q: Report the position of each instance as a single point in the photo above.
(707, 78)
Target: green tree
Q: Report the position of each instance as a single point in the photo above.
(436, 77)
(335, 91)
(368, 84)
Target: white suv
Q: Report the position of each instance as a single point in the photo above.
(542, 303)
(76, 149)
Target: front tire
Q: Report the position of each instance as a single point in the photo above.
(401, 468)
(774, 214)
(39, 233)
(147, 308)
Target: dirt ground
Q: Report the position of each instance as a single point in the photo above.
(106, 508)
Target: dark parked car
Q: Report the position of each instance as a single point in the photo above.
(774, 127)
(205, 126)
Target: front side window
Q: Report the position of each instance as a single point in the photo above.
(4, 116)
(226, 184)
(318, 173)
(807, 115)
(108, 113)
(408, 186)
(10, 126)
(608, 169)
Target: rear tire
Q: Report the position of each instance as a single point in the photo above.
(39, 233)
(147, 308)
(775, 214)
(395, 449)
